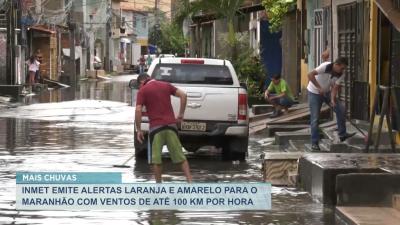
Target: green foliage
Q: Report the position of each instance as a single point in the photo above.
(236, 46)
(246, 62)
(168, 38)
(276, 11)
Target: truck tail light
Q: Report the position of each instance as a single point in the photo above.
(242, 111)
(192, 61)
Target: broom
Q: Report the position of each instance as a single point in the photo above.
(123, 165)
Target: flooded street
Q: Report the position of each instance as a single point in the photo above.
(90, 129)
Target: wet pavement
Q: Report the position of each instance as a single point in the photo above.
(90, 129)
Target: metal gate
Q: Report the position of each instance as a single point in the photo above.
(352, 30)
(346, 47)
(318, 36)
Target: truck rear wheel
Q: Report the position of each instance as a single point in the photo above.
(235, 149)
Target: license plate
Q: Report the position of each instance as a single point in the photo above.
(193, 126)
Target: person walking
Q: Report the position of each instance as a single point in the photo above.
(156, 97)
(33, 67)
(142, 63)
(323, 86)
(149, 60)
(279, 95)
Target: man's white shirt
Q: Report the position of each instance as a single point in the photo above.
(324, 78)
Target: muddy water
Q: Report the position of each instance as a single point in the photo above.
(91, 129)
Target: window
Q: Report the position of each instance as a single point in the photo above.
(134, 21)
(193, 74)
(144, 22)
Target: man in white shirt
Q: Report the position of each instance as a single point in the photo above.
(323, 86)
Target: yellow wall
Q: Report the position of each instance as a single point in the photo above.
(304, 72)
(373, 62)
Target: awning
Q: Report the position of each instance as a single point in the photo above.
(143, 41)
(391, 12)
(42, 29)
(78, 52)
(126, 40)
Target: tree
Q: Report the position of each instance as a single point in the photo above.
(276, 11)
(169, 38)
(247, 64)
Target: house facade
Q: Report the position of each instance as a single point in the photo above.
(364, 31)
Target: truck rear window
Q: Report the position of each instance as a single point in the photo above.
(192, 74)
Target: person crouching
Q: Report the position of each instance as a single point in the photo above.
(279, 95)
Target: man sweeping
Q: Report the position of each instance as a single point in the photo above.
(156, 97)
(323, 86)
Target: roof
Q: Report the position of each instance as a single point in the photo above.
(391, 12)
(41, 28)
(208, 16)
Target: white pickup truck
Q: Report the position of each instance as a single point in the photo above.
(217, 110)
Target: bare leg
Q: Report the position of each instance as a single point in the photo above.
(186, 171)
(31, 77)
(157, 169)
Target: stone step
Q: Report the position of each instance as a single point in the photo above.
(365, 189)
(281, 169)
(282, 138)
(381, 148)
(273, 148)
(367, 216)
(337, 147)
(359, 138)
(318, 171)
(261, 109)
(297, 145)
(309, 149)
(272, 129)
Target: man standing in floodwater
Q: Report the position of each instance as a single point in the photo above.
(323, 86)
(156, 97)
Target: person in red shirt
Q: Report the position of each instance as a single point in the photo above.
(156, 97)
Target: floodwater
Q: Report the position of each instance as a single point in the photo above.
(90, 129)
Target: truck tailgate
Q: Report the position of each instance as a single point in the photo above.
(209, 103)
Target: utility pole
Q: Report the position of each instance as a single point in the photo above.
(108, 36)
(11, 26)
(157, 23)
(156, 11)
(72, 64)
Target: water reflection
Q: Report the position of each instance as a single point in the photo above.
(114, 90)
(72, 136)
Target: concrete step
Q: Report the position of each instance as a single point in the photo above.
(339, 147)
(375, 188)
(297, 146)
(282, 138)
(261, 109)
(280, 169)
(381, 148)
(318, 171)
(367, 216)
(272, 129)
(273, 148)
